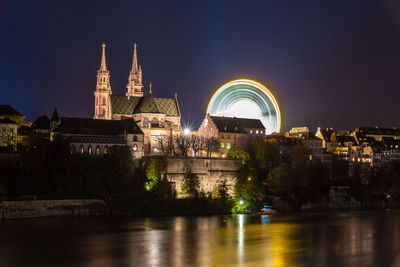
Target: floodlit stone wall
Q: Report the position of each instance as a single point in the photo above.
(47, 208)
(211, 172)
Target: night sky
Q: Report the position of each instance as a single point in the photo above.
(329, 63)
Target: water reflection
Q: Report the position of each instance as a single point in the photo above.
(320, 239)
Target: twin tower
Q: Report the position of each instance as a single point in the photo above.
(103, 87)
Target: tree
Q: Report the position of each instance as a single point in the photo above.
(221, 190)
(8, 140)
(280, 181)
(239, 153)
(191, 184)
(212, 146)
(197, 144)
(154, 171)
(183, 143)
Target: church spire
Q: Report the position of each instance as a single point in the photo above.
(103, 65)
(102, 107)
(134, 61)
(135, 77)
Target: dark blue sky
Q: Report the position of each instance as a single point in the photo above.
(329, 63)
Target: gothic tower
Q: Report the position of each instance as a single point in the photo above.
(102, 108)
(135, 77)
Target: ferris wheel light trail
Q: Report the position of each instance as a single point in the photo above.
(244, 98)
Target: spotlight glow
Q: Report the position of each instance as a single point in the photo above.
(186, 131)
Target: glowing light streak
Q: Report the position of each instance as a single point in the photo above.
(247, 99)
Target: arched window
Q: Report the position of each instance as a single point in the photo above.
(135, 147)
(104, 100)
(89, 150)
(81, 149)
(98, 150)
(222, 145)
(228, 145)
(105, 149)
(73, 149)
(135, 138)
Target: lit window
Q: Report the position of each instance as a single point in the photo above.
(261, 132)
(105, 149)
(81, 149)
(251, 131)
(228, 145)
(135, 147)
(256, 131)
(98, 150)
(90, 150)
(222, 145)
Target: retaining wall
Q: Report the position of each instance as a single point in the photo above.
(47, 208)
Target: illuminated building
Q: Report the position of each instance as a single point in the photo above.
(159, 118)
(10, 121)
(95, 137)
(244, 98)
(230, 132)
(7, 111)
(89, 136)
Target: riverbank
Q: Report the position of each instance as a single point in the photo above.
(133, 207)
(50, 208)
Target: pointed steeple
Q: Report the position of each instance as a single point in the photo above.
(134, 60)
(135, 77)
(150, 85)
(102, 108)
(55, 116)
(103, 65)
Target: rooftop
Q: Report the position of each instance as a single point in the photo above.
(236, 125)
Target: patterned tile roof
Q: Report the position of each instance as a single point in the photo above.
(85, 126)
(147, 104)
(168, 106)
(123, 105)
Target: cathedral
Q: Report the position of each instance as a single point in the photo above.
(158, 118)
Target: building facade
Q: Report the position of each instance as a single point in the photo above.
(95, 137)
(230, 132)
(10, 121)
(158, 118)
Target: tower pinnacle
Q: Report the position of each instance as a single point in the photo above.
(103, 65)
(102, 108)
(135, 77)
(134, 61)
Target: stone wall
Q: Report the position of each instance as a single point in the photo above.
(211, 172)
(47, 208)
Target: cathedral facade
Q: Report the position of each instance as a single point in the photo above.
(159, 118)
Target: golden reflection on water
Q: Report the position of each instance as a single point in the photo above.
(320, 239)
(236, 241)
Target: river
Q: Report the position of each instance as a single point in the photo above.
(362, 238)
